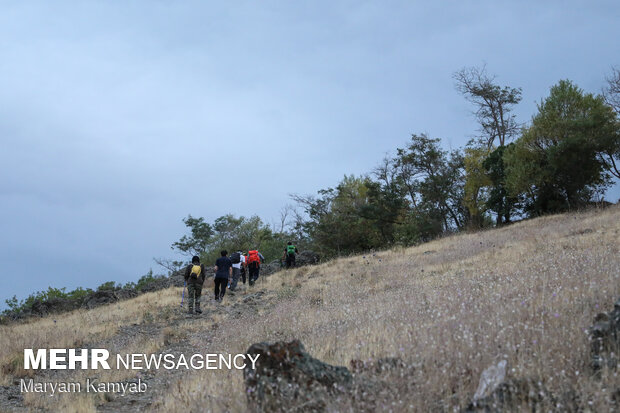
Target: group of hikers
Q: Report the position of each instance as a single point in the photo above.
(227, 271)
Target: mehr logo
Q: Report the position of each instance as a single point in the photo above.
(93, 359)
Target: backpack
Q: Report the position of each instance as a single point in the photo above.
(235, 257)
(195, 272)
(290, 249)
(253, 257)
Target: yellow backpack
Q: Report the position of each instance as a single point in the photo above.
(196, 270)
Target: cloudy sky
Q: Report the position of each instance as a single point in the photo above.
(117, 119)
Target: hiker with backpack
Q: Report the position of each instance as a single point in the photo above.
(194, 278)
(253, 263)
(238, 260)
(289, 254)
(244, 267)
(223, 275)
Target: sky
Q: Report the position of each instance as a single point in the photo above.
(118, 119)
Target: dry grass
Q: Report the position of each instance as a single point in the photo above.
(450, 308)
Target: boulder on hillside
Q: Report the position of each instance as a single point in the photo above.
(53, 305)
(287, 378)
(302, 259)
(99, 298)
(514, 395)
(177, 279)
(268, 269)
(156, 285)
(126, 293)
(605, 339)
(307, 258)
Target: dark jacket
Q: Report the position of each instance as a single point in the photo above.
(201, 277)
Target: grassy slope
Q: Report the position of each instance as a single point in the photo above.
(449, 308)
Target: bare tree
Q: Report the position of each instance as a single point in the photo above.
(611, 92)
(493, 104)
(285, 216)
(386, 171)
(610, 155)
(171, 265)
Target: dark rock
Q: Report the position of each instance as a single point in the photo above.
(605, 339)
(100, 298)
(289, 379)
(126, 293)
(302, 259)
(307, 258)
(272, 267)
(156, 285)
(53, 305)
(515, 395)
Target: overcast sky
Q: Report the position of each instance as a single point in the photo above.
(118, 119)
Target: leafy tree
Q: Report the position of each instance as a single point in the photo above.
(557, 163)
(336, 222)
(493, 104)
(200, 237)
(498, 199)
(385, 208)
(433, 177)
(476, 183)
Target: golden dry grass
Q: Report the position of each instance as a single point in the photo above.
(450, 308)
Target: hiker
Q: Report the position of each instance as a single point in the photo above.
(253, 263)
(289, 254)
(223, 275)
(244, 265)
(195, 278)
(238, 260)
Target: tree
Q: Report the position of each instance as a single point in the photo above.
(611, 92)
(498, 198)
(610, 154)
(385, 208)
(557, 162)
(476, 181)
(198, 241)
(433, 177)
(493, 104)
(336, 221)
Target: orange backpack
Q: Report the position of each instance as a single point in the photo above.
(253, 256)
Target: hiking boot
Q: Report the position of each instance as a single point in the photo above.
(190, 311)
(198, 311)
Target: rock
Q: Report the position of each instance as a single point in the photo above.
(100, 298)
(53, 305)
(301, 259)
(605, 339)
(268, 269)
(156, 285)
(307, 258)
(490, 379)
(126, 293)
(287, 378)
(515, 395)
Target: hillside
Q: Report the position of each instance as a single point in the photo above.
(446, 310)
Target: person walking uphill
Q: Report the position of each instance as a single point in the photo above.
(238, 260)
(195, 278)
(253, 261)
(289, 254)
(223, 275)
